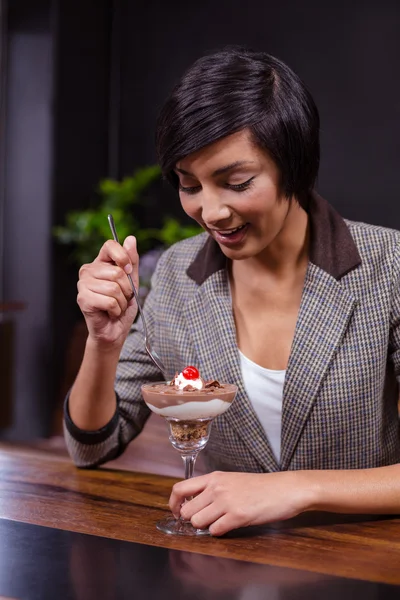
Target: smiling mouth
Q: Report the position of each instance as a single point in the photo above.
(228, 232)
(231, 237)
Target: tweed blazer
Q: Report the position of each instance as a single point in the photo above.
(340, 393)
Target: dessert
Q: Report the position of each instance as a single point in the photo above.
(188, 396)
(189, 404)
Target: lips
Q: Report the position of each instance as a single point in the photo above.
(229, 237)
(231, 231)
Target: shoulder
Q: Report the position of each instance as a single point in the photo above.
(379, 250)
(175, 261)
(186, 250)
(374, 240)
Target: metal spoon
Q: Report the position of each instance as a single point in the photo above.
(150, 351)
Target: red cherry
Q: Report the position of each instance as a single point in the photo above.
(190, 373)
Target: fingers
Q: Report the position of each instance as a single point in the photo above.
(108, 289)
(204, 512)
(218, 518)
(204, 517)
(194, 506)
(125, 256)
(104, 285)
(222, 525)
(113, 275)
(184, 489)
(92, 302)
(221, 501)
(131, 248)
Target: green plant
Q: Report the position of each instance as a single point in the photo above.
(86, 230)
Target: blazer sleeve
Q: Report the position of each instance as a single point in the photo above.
(394, 336)
(92, 448)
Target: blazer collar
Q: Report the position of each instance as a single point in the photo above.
(331, 246)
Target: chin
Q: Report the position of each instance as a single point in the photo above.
(237, 253)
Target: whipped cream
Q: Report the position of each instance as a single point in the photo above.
(181, 382)
(192, 410)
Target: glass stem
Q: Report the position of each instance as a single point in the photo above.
(189, 462)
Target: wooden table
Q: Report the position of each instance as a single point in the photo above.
(315, 550)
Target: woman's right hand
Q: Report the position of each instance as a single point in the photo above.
(105, 295)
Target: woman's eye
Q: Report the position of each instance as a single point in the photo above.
(238, 187)
(189, 190)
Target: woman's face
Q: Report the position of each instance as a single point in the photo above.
(231, 188)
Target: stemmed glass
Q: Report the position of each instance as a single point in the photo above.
(189, 416)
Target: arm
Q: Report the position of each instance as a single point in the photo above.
(374, 491)
(94, 384)
(227, 501)
(104, 297)
(89, 447)
(99, 420)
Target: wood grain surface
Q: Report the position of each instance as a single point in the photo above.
(46, 489)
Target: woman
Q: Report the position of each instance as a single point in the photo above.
(280, 295)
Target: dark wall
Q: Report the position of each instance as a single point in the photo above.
(56, 148)
(27, 209)
(82, 67)
(346, 52)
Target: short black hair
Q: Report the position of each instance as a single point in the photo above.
(234, 89)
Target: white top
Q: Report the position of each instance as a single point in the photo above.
(264, 388)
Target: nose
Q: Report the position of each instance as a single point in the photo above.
(214, 210)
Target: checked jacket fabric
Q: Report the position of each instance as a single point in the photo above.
(340, 393)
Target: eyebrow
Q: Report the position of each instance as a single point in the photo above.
(221, 170)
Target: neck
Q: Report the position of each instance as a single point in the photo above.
(287, 254)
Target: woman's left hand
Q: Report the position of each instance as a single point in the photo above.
(224, 501)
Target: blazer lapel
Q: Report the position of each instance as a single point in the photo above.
(213, 335)
(325, 311)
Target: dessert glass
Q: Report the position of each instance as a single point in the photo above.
(189, 416)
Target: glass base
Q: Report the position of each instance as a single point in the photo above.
(173, 526)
